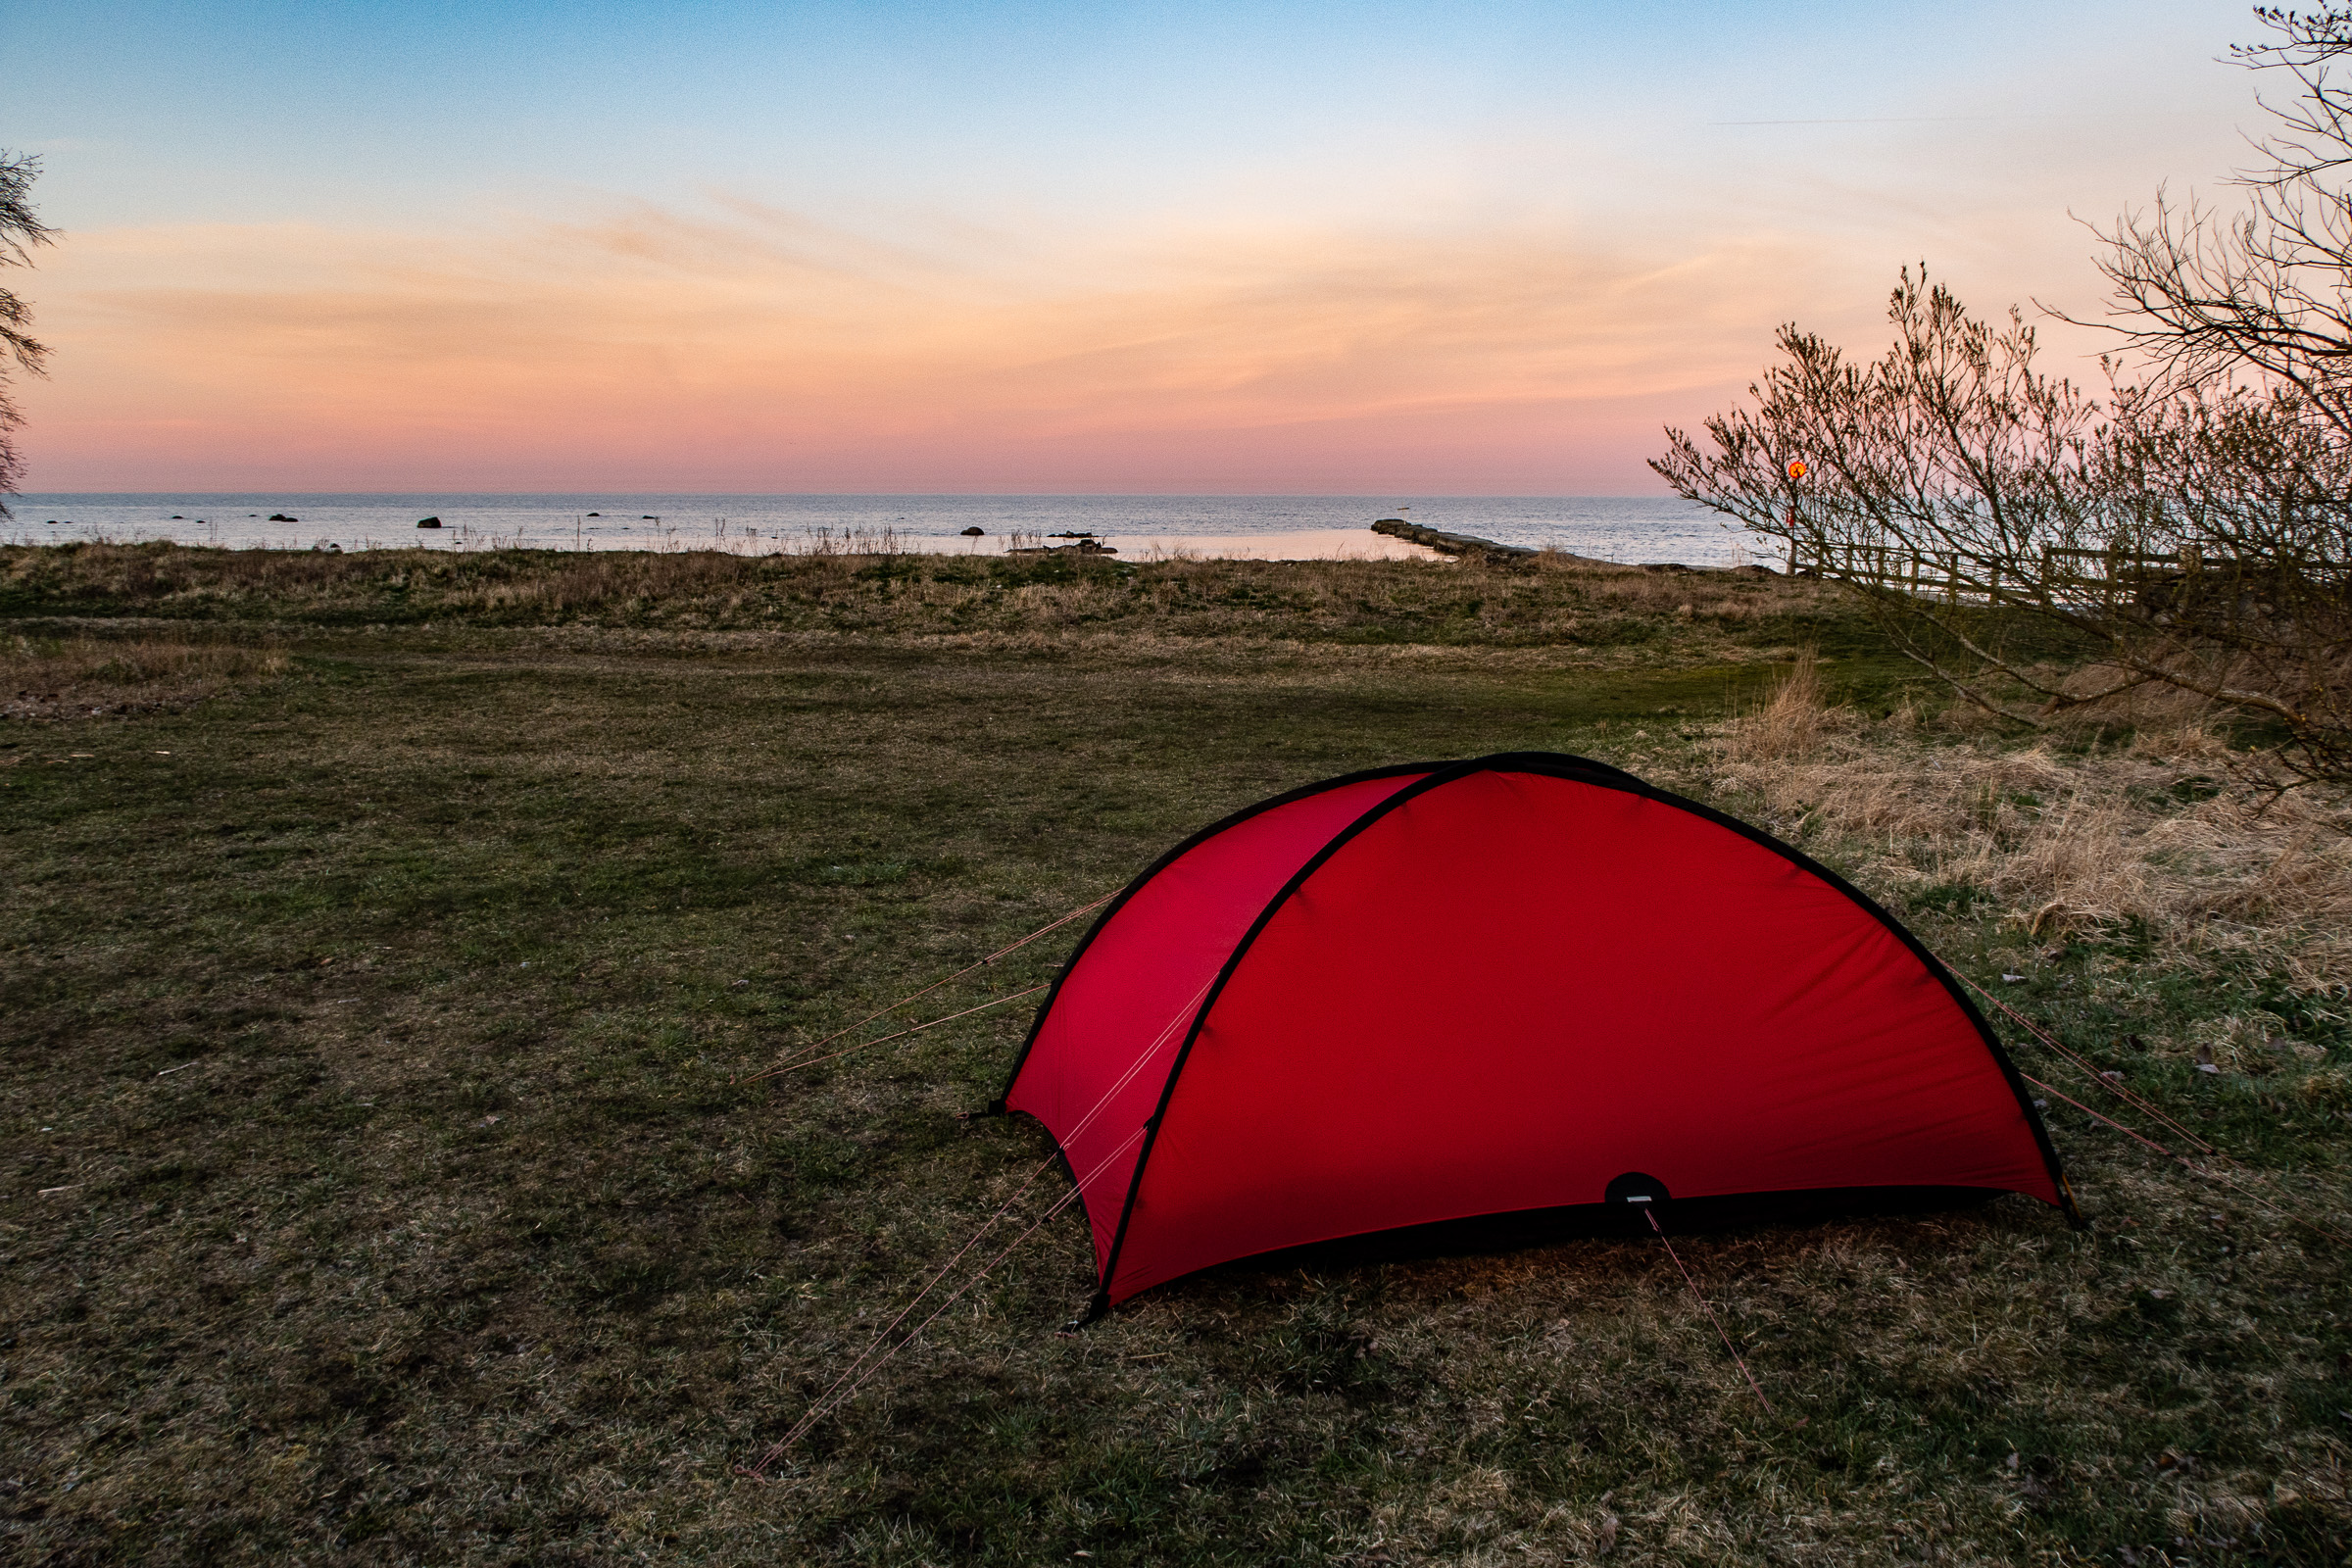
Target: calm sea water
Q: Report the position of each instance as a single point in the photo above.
(1613, 529)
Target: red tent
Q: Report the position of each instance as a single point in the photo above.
(1523, 982)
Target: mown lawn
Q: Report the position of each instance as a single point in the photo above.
(379, 1187)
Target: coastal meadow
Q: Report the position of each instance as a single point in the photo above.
(391, 936)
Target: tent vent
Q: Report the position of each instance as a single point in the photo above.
(1634, 1187)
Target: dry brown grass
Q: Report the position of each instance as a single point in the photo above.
(2162, 833)
(46, 679)
(1786, 726)
(1553, 600)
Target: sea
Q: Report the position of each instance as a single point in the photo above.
(1625, 528)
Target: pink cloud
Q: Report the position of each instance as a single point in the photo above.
(763, 352)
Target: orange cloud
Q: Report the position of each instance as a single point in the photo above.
(761, 351)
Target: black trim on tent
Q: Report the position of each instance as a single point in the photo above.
(1902, 933)
(1216, 988)
(1576, 769)
(1069, 965)
(1610, 1221)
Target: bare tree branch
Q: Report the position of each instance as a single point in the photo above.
(20, 232)
(2196, 535)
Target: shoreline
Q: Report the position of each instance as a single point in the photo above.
(1630, 529)
(1389, 539)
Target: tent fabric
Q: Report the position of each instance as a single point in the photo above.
(1452, 990)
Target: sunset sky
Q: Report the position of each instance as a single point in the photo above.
(1423, 248)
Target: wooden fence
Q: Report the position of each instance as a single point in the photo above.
(1948, 575)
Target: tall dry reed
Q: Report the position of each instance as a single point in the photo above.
(1788, 725)
(2163, 834)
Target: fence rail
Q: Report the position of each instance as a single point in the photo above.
(1951, 577)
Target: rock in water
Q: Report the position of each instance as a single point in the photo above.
(429, 522)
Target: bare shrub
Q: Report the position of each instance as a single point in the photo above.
(1963, 495)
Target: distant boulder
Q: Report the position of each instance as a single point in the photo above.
(429, 522)
(280, 517)
(975, 533)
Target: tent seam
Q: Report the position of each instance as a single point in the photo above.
(1241, 949)
(1150, 872)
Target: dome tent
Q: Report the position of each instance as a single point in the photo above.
(1522, 984)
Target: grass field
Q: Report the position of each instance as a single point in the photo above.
(385, 935)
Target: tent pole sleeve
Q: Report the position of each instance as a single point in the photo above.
(1118, 901)
(1233, 961)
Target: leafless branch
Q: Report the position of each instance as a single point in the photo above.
(20, 232)
(2197, 533)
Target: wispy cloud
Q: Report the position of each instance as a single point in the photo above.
(748, 347)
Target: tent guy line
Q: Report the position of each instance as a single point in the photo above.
(2219, 1176)
(820, 1408)
(2115, 1087)
(2088, 1067)
(1142, 1057)
(829, 1403)
(801, 1427)
(810, 1062)
(1059, 1204)
(1054, 924)
(1739, 1361)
